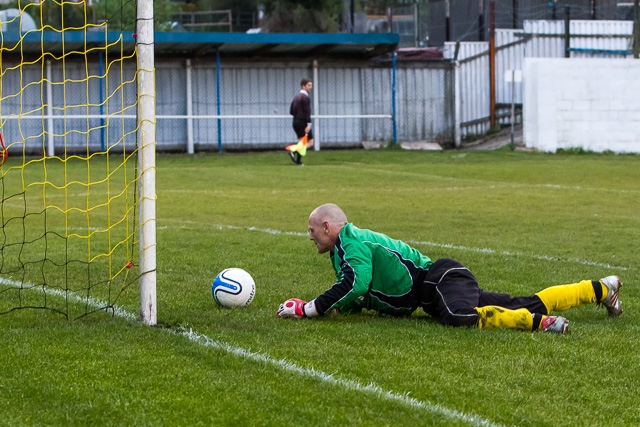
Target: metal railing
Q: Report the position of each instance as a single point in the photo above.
(209, 20)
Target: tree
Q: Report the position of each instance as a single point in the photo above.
(302, 16)
(121, 15)
(244, 13)
(235, 5)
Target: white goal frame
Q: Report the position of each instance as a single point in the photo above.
(146, 142)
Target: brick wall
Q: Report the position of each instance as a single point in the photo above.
(593, 104)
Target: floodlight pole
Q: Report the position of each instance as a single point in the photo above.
(146, 143)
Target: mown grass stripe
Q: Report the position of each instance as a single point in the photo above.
(439, 245)
(347, 384)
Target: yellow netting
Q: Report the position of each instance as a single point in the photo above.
(68, 187)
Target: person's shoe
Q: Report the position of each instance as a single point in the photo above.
(292, 155)
(611, 302)
(554, 324)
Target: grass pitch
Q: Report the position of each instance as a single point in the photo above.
(519, 221)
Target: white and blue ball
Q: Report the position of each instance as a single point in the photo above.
(233, 287)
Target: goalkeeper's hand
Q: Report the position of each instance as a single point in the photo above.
(293, 307)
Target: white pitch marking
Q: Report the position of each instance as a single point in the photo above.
(370, 388)
(117, 311)
(455, 188)
(443, 245)
(511, 253)
(204, 340)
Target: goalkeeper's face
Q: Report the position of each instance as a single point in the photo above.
(321, 234)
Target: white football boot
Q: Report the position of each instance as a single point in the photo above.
(555, 324)
(613, 304)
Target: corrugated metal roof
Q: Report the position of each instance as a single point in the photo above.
(280, 45)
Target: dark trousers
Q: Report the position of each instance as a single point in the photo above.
(299, 126)
(451, 292)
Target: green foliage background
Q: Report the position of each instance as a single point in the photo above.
(121, 15)
(281, 16)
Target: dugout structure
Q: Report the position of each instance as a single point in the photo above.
(232, 90)
(77, 117)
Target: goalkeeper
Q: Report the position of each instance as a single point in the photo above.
(375, 272)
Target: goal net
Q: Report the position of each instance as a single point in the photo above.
(78, 135)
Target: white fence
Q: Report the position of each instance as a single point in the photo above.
(204, 105)
(538, 39)
(246, 105)
(235, 104)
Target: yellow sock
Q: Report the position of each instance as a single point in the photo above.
(563, 297)
(492, 316)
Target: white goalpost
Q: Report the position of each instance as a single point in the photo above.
(77, 167)
(146, 158)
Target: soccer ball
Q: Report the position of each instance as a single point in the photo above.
(233, 287)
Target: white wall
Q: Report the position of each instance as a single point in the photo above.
(593, 104)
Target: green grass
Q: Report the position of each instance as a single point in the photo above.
(520, 221)
(73, 214)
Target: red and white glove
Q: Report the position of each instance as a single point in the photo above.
(293, 307)
(297, 308)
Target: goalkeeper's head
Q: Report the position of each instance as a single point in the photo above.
(325, 223)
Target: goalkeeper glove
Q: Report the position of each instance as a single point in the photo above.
(293, 307)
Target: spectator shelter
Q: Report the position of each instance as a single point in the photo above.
(219, 91)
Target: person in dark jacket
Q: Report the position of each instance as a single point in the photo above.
(300, 109)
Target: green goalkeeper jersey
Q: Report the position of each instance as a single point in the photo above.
(373, 272)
